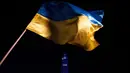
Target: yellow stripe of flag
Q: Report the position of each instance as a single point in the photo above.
(77, 31)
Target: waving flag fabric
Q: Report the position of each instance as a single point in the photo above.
(63, 23)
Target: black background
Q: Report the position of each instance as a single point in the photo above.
(35, 54)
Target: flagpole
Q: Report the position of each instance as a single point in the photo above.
(3, 59)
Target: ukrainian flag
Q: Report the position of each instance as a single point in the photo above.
(63, 23)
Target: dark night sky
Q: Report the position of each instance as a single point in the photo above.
(35, 54)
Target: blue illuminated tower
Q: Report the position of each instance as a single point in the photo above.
(64, 66)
